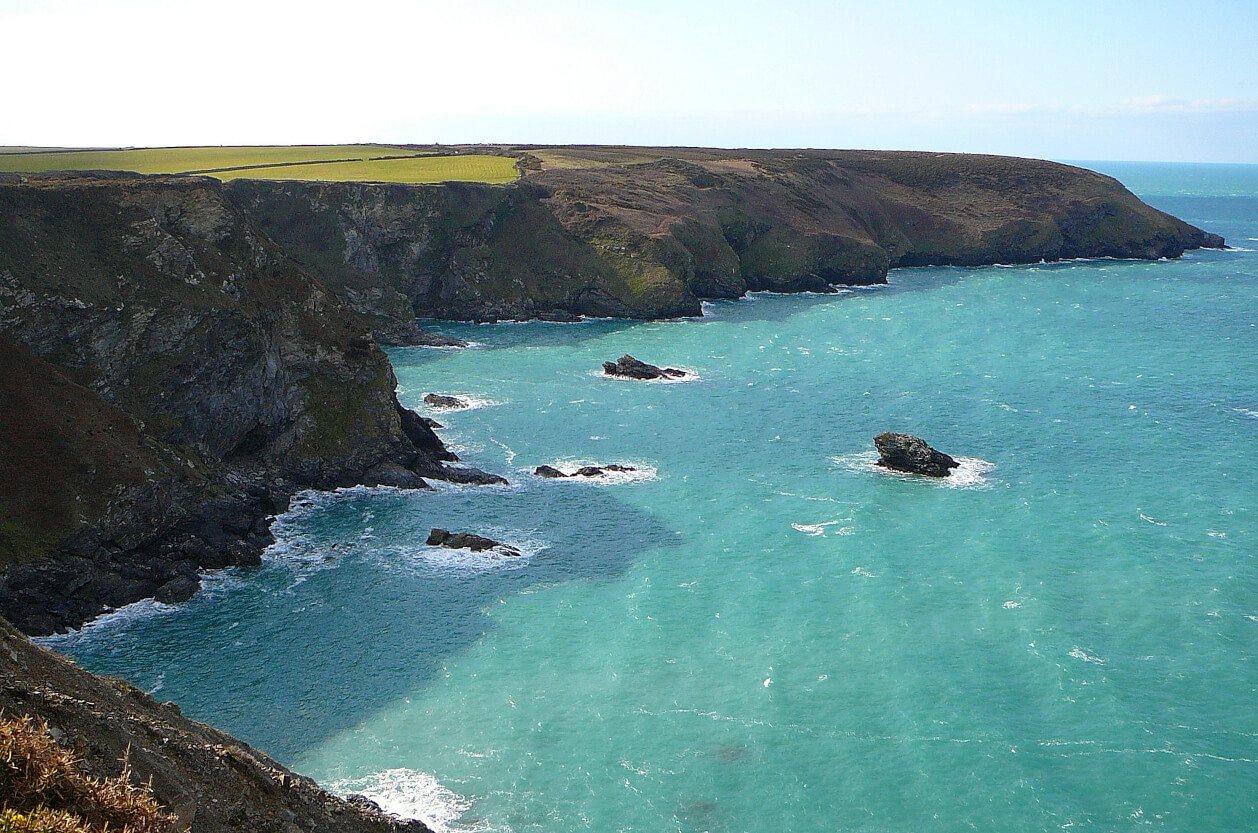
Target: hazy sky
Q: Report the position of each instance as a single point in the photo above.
(1097, 79)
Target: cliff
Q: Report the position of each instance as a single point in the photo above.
(209, 781)
(170, 378)
(648, 232)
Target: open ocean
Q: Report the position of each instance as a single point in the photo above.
(758, 630)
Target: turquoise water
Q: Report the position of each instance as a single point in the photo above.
(758, 630)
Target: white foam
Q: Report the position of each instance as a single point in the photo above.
(691, 376)
(1247, 412)
(970, 474)
(444, 559)
(411, 794)
(642, 472)
(819, 530)
(470, 403)
(1079, 653)
(106, 624)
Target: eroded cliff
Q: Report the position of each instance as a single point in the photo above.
(648, 232)
(170, 380)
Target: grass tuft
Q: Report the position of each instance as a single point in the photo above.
(43, 789)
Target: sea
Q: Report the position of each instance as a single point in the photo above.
(759, 629)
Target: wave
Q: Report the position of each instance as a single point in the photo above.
(1247, 412)
(106, 624)
(1079, 653)
(970, 474)
(819, 530)
(411, 794)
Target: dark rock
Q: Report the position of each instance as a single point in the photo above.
(469, 476)
(436, 400)
(178, 590)
(629, 367)
(548, 471)
(391, 474)
(559, 316)
(426, 338)
(362, 802)
(431, 423)
(584, 471)
(904, 452)
(419, 431)
(467, 541)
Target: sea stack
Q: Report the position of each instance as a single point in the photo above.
(630, 368)
(904, 452)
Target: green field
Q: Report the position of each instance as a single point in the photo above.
(338, 163)
(492, 169)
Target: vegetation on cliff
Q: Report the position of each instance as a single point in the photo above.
(43, 789)
(115, 746)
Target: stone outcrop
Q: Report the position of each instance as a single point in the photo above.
(906, 453)
(467, 541)
(630, 368)
(210, 781)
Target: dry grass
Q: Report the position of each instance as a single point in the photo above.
(43, 789)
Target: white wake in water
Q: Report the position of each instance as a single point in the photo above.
(641, 473)
(970, 474)
(470, 403)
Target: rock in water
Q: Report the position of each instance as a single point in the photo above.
(584, 471)
(630, 368)
(467, 541)
(437, 400)
(548, 471)
(469, 476)
(904, 452)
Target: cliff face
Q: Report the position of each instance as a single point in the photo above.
(647, 232)
(211, 782)
(171, 378)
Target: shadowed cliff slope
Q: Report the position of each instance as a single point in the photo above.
(648, 232)
(211, 782)
(171, 379)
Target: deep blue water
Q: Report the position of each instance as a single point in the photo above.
(761, 631)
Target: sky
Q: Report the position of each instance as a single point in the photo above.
(1094, 80)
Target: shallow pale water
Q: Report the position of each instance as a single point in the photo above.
(760, 631)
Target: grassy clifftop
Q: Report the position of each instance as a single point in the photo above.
(335, 163)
